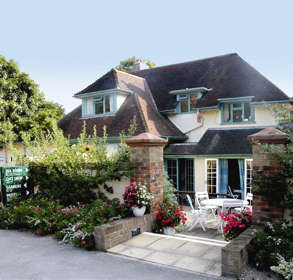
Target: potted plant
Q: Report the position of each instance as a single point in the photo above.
(169, 216)
(138, 198)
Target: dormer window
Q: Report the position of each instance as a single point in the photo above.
(187, 98)
(237, 110)
(103, 102)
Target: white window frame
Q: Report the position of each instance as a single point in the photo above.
(217, 173)
(245, 174)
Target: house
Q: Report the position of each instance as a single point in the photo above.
(204, 108)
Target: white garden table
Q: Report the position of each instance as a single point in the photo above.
(229, 202)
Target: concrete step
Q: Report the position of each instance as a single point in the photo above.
(192, 239)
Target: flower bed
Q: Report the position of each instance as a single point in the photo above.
(74, 224)
(235, 223)
(272, 246)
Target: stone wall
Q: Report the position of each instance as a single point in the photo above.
(114, 233)
(235, 254)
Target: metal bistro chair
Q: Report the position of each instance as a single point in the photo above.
(231, 193)
(199, 215)
(200, 196)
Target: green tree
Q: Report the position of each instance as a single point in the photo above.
(22, 106)
(127, 64)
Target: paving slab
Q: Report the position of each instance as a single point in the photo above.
(162, 258)
(142, 240)
(164, 244)
(194, 264)
(193, 249)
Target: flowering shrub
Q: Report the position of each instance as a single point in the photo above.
(74, 223)
(235, 223)
(169, 215)
(284, 268)
(268, 243)
(137, 196)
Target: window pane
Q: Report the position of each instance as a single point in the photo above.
(226, 113)
(99, 108)
(237, 115)
(193, 100)
(107, 104)
(211, 176)
(247, 112)
(183, 103)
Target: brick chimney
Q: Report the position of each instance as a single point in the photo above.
(140, 65)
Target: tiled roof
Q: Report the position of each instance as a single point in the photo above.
(140, 104)
(217, 141)
(228, 75)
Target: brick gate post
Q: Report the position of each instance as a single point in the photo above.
(262, 162)
(147, 151)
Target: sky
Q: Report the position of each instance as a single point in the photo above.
(66, 45)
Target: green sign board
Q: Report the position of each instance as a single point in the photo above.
(11, 179)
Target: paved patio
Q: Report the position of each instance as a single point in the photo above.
(185, 251)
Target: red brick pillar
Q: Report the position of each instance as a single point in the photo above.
(262, 162)
(147, 150)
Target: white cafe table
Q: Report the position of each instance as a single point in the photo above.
(229, 202)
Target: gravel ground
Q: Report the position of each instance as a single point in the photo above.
(253, 274)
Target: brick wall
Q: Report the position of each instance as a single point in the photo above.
(147, 151)
(112, 234)
(263, 163)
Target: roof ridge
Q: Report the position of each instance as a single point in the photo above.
(141, 113)
(182, 63)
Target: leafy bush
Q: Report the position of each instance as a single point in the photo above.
(169, 190)
(269, 242)
(235, 223)
(74, 223)
(137, 196)
(169, 215)
(72, 173)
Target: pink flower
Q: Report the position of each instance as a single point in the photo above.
(108, 198)
(53, 223)
(83, 242)
(109, 205)
(37, 232)
(103, 209)
(105, 219)
(46, 198)
(79, 236)
(117, 199)
(58, 211)
(36, 208)
(76, 227)
(14, 207)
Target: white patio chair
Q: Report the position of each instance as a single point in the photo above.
(200, 196)
(231, 193)
(249, 198)
(199, 215)
(227, 207)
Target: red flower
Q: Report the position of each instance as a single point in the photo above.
(76, 227)
(37, 232)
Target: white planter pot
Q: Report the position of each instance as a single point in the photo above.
(138, 212)
(169, 230)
